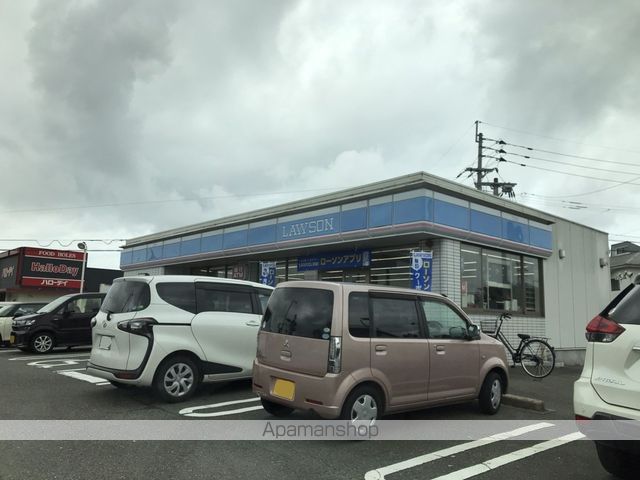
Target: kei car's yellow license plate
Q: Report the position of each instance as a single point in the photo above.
(12, 339)
(284, 389)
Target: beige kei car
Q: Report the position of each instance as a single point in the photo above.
(357, 352)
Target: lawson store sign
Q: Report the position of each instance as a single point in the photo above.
(416, 211)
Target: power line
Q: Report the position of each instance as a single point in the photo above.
(574, 175)
(560, 139)
(594, 159)
(568, 163)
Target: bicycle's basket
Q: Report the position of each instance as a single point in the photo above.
(489, 326)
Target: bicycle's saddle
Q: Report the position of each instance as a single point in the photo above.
(524, 336)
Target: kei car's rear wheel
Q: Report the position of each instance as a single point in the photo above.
(363, 404)
(176, 379)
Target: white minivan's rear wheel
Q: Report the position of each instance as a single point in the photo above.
(176, 379)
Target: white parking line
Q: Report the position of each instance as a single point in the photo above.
(379, 473)
(188, 412)
(81, 376)
(502, 460)
(13, 350)
(103, 383)
(50, 357)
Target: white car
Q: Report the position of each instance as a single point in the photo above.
(609, 387)
(172, 332)
(11, 310)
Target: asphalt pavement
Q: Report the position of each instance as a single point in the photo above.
(56, 387)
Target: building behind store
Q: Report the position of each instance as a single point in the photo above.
(40, 274)
(490, 255)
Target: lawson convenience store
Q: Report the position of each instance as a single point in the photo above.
(488, 254)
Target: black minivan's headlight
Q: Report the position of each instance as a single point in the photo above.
(23, 323)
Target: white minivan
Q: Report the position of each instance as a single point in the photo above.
(172, 332)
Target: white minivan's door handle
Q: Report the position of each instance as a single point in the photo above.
(253, 323)
(636, 348)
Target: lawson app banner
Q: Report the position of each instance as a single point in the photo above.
(421, 263)
(335, 260)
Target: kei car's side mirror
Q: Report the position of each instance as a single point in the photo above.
(474, 332)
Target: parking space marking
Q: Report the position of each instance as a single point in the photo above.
(46, 357)
(54, 362)
(379, 473)
(189, 412)
(502, 460)
(81, 376)
(14, 350)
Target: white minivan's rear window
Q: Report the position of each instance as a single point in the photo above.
(300, 312)
(126, 296)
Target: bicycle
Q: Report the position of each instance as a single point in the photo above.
(534, 354)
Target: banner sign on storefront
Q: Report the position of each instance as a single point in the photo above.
(51, 268)
(335, 260)
(268, 273)
(421, 270)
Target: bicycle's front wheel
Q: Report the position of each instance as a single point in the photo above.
(537, 358)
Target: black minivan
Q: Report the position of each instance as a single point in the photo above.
(66, 321)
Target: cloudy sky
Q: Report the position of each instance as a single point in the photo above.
(124, 118)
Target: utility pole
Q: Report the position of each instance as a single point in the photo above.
(480, 171)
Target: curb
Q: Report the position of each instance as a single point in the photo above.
(524, 402)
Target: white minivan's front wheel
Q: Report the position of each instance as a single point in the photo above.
(176, 379)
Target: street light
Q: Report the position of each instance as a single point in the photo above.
(83, 246)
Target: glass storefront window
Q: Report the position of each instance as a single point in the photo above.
(532, 290)
(502, 281)
(495, 280)
(471, 277)
(391, 266)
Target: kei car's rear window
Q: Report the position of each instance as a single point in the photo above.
(627, 311)
(126, 296)
(300, 312)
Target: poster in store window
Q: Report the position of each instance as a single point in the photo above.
(421, 270)
(268, 273)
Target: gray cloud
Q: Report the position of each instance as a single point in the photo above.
(207, 103)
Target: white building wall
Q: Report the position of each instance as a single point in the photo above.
(576, 286)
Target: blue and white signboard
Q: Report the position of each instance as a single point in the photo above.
(335, 260)
(421, 270)
(268, 273)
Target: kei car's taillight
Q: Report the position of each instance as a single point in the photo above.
(335, 355)
(603, 330)
(138, 326)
